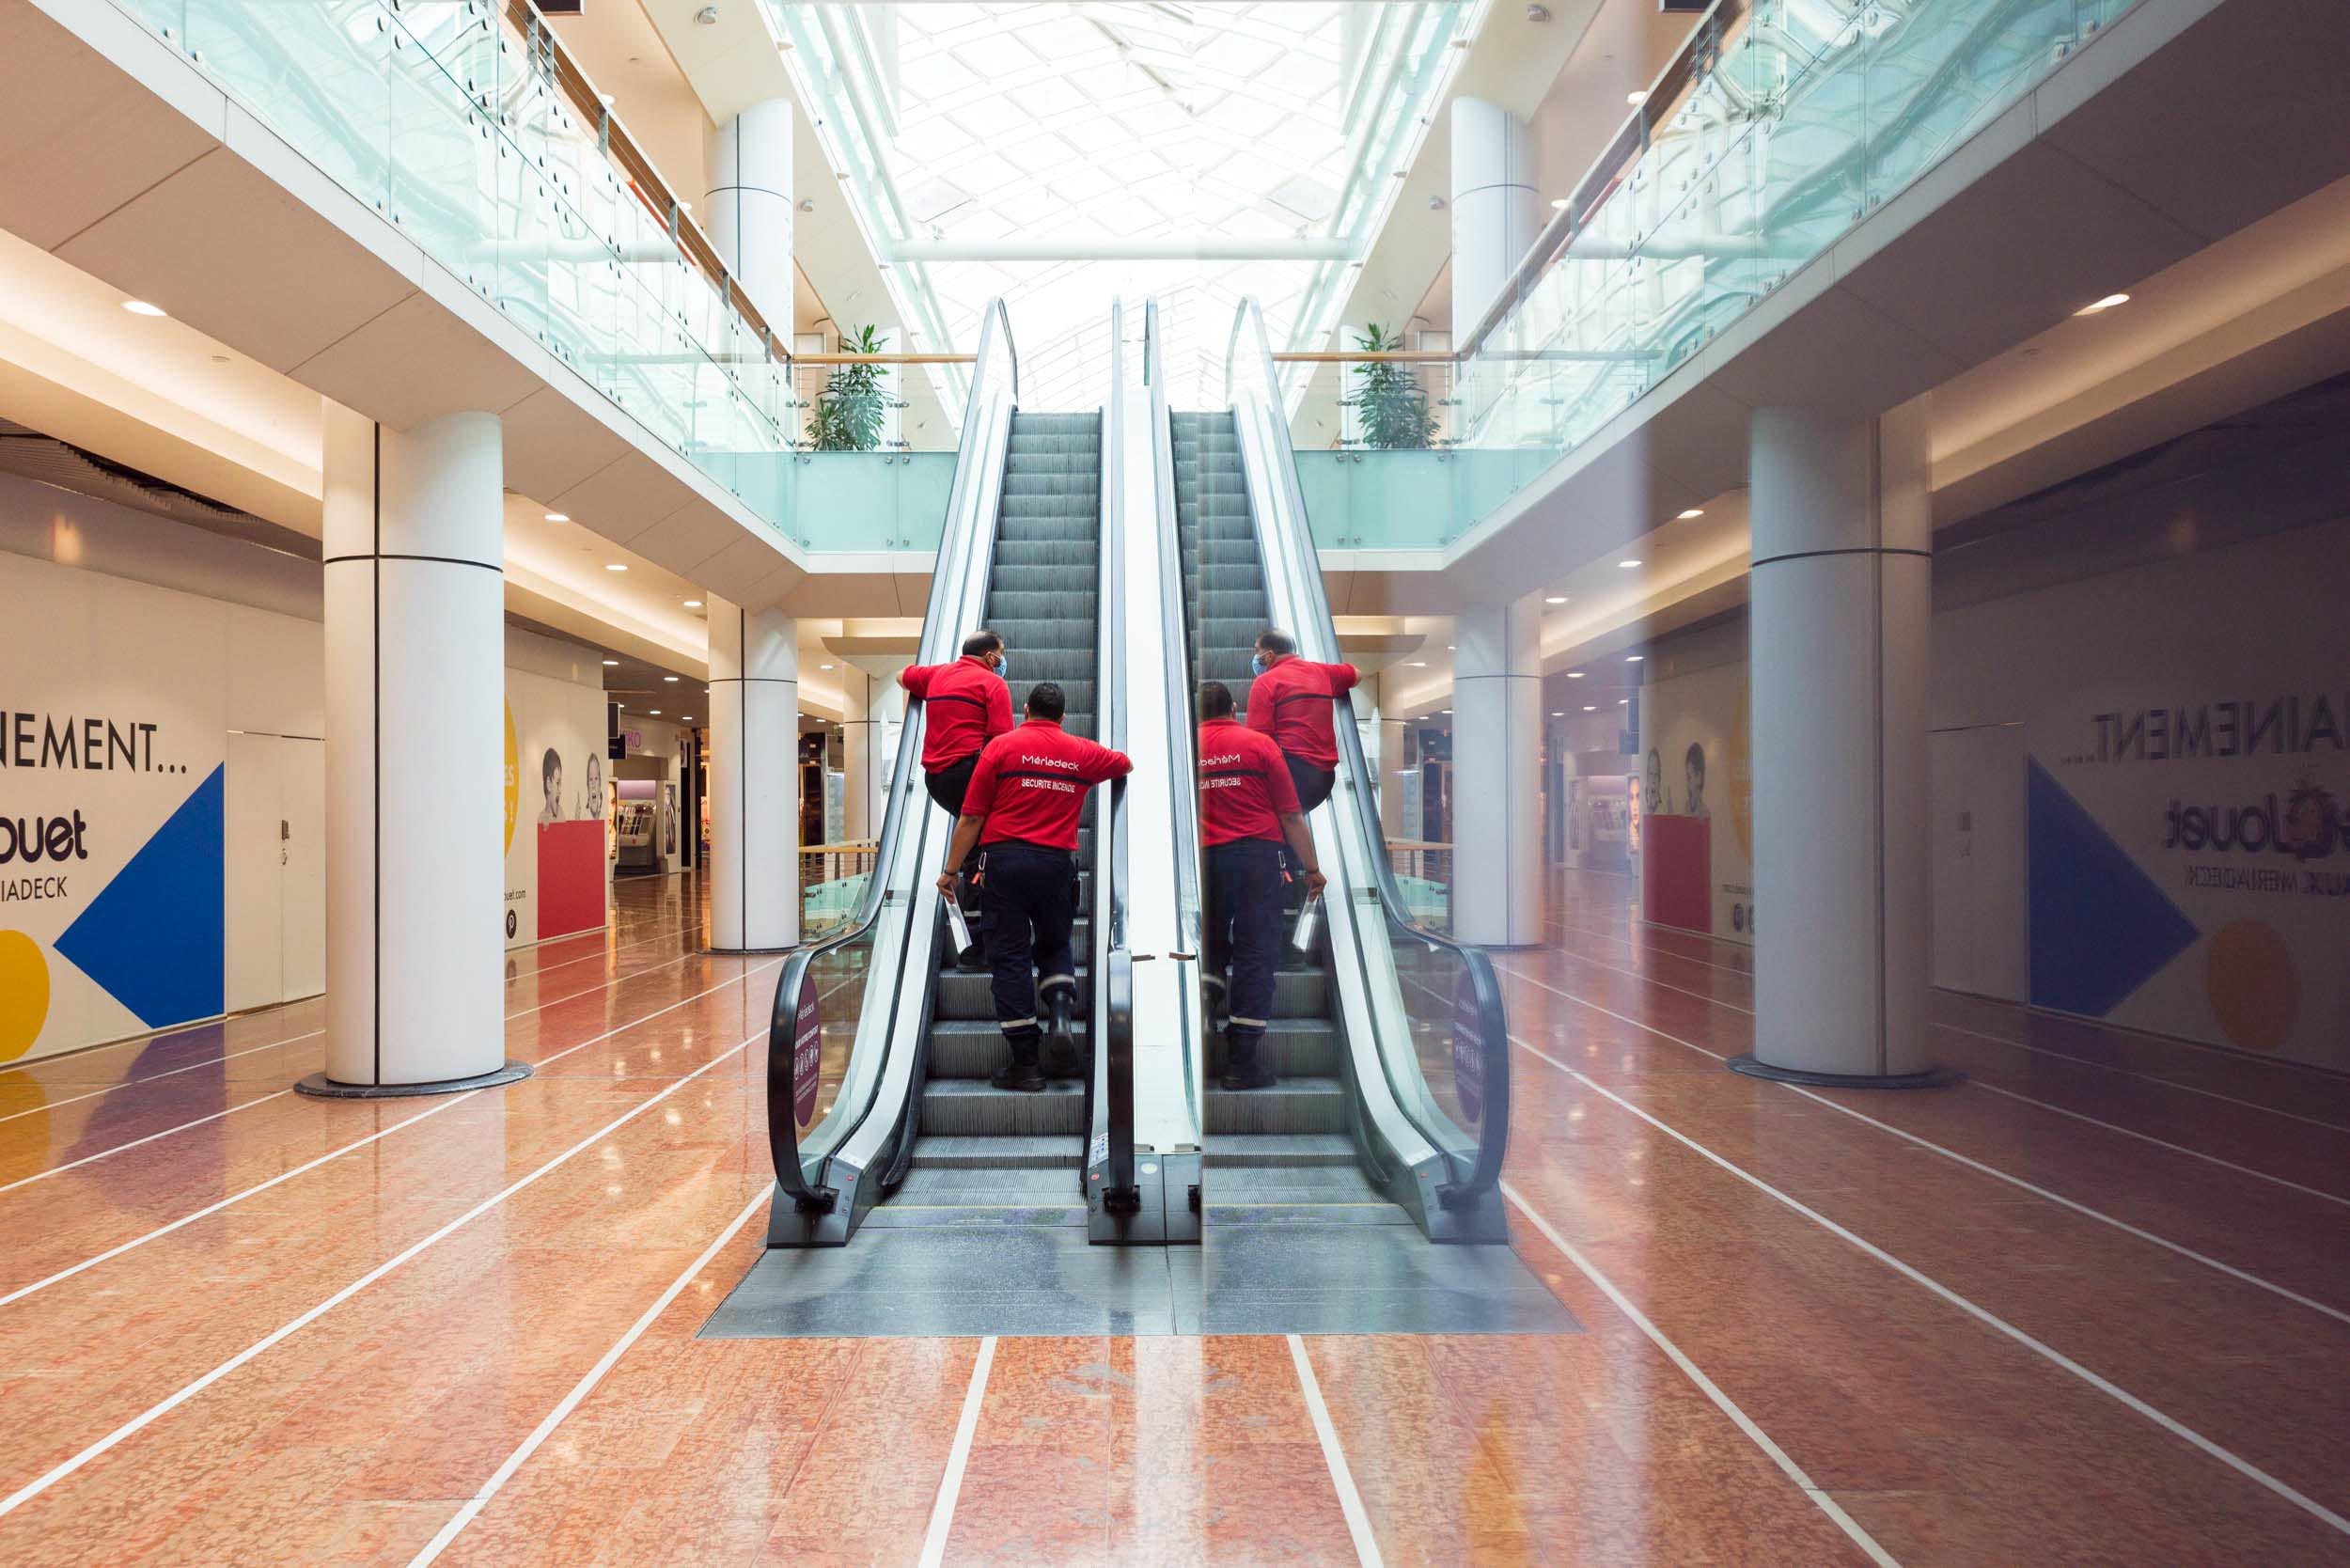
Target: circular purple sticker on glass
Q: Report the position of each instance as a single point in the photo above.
(807, 1053)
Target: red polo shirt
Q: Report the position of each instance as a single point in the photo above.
(1291, 702)
(1245, 786)
(1031, 784)
(969, 705)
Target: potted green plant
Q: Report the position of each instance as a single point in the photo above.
(849, 409)
(1393, 408)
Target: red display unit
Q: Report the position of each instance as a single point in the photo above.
(1677, 872)
(571, 877)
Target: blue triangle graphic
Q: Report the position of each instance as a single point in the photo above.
(2100, 926)
(155, 936)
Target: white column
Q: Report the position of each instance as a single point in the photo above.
(748, 209)
(1496, 213)
(754, 779)
(416, 803)
(873, 709)
(1496, 781)
(1840, 601)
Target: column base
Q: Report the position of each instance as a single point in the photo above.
(752, 952)
(319, 1086)
(1933, 1077)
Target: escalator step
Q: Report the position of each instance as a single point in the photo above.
(966, 1043)
(1292, 1105)
(975, 1108)
(1292, 1047)
(1027, 1151)
(1276, 1149)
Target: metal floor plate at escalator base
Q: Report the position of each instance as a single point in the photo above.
(1319, 1276)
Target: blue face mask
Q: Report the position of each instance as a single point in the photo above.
(1003, 669)
(1258, 664)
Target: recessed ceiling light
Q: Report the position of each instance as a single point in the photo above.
(1560, 204)
(606, 96)
(1628, 565)
(1443, 712)
(1555, 598)
(1591, 707)
(612, 664)
(1623, 702)
(1628, 658)
(824, 667)
(654, 712)
(2089, 309)
(670, 679)
(1448, 648)
(1556, 712)
(1693, 511)
(558, 517)
(692, 603)
(1417, 663)
(615, 566)
(1636, 98)
(140, 307)
(1574, 675)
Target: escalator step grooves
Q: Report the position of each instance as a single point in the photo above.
(1042, 600)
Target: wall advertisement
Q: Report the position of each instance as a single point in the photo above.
(2189, 861)
(557, 803)
(1695, 804)
(114, 719)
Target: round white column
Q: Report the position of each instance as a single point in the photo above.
(754, 779)
(747, 210)
(414, 529)
(1496, 779)
(1840, 603)
(1496, 213)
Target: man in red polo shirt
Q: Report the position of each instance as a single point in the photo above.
(1294, 700)
(1291, 700)
(967, 704)
(1248, 808)
(1021, 815)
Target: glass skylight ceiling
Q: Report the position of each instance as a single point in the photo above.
(1074, 134)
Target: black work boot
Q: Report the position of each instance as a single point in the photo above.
(1060, 1037)
(1020, 1074)
(1242, 1067)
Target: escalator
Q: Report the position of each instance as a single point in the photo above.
(992, 1153)
(1389, 1038)
(1287, 1151)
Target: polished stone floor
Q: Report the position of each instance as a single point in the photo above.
(2092, 1306)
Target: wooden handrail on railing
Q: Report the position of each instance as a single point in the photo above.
(651, 189)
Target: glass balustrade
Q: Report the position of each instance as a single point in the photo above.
(460, 123)
(1783, 124)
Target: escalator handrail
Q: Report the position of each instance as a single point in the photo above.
(1112, 978)
(1297, 551)
(964, 541)
(1182, 772)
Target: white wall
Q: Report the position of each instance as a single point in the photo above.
(2066, 872)
(205, 654)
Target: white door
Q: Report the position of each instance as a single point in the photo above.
(301, 798)
(254, 874)
(274, 833)
(1979, 908)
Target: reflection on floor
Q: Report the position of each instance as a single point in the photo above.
(2092, 1304)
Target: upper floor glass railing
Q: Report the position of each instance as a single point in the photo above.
(467, 125)
(1778, 128)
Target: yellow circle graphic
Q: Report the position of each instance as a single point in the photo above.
(513, 776)
(24, 994)
(2254, 985)
(1742, 777)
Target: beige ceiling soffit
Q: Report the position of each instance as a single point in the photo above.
(197, 456)
(601, 623)
(534, 604)
(2262, 354)
(1630, 621)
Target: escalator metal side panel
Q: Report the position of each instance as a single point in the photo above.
(853, 1171)
(1362, 970)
